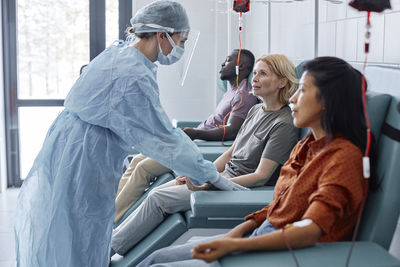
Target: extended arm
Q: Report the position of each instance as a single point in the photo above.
(240, 230)
(217, 133)
(147, 127)
(258, 178)
(297, 237)
(265, 169)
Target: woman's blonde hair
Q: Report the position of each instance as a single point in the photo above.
(283, 68)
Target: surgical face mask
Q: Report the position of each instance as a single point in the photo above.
(175, 54)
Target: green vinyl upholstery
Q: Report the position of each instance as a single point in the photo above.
(185, 123)
(365, 254)
(211, 153)
(164, 235)
(201, 143)
(222, 209)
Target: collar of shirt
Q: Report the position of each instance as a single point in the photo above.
(315, 146)
(308, 148)
(244, 86)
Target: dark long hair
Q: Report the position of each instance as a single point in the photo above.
(340, 89)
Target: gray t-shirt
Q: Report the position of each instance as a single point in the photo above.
(264, 134)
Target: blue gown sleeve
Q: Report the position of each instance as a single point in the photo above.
(118, 91)
(137, 116)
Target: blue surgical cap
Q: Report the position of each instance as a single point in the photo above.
(162, 15)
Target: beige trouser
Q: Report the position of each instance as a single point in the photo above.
(141, 171)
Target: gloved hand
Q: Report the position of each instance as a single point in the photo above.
(227, 185)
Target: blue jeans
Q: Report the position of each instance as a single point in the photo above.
(181, 256)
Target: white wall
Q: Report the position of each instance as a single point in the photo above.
(255, 30)
(292, 29)
(197, 98)
(342, 31)
(221, 35)
(3, 173)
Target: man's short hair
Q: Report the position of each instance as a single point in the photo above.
(247, 58)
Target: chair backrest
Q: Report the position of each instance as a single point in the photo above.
(300, 68)
(299, 71)
(303, 132)
(383, 205)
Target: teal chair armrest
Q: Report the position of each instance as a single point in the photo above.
(201, 143)
(322, 254)
(223, 209)
(185, 123)
(229, 203)
(164, 235)
(212, 153)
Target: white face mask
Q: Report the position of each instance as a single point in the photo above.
(175, 54)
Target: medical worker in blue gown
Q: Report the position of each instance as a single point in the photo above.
(66, 205)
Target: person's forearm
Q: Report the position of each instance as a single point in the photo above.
(297, 237)
(250, 180)
(226, 184)
(215, 134)
(242, 229)
(221, 161)
(263, 173)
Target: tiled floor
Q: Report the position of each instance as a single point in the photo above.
(8, 202)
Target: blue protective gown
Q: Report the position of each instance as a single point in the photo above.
(66, 206)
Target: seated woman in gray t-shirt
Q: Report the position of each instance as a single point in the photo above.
(263, 143)
(268, 135)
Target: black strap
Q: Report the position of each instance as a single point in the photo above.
(391, 132)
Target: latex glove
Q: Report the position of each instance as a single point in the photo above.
(180, 180)
(192, 187)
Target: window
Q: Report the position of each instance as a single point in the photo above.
(53, 43)
(111, 21)
(46, 44)
(34, 123)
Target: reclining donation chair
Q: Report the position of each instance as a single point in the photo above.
(383, 206)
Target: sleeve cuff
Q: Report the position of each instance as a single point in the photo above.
(259, 216)
(322, 215)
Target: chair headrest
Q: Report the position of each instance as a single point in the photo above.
(300, 69)
(377, 105)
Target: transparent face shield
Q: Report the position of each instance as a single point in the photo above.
(188, 41)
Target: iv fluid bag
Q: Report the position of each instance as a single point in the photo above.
(241, 5)
(370, 5)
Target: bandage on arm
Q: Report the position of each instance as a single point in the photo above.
(227, 185)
